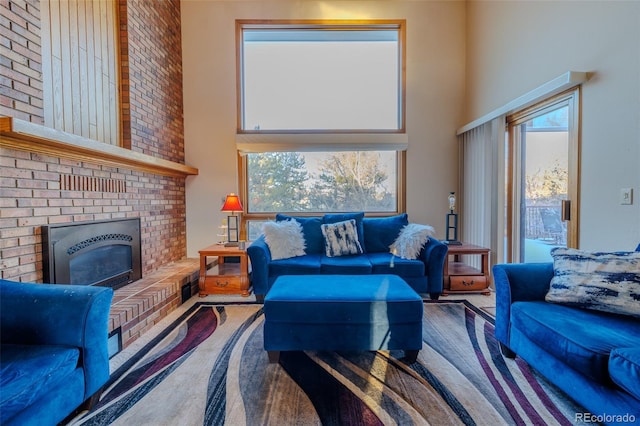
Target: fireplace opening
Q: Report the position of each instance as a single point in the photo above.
(101, 264)
(101, 253)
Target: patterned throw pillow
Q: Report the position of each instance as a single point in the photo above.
(341, 238)
(411, 240)
(285, 239)
(601, 281)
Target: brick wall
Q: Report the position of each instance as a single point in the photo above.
(152, 73)
(21, 61)
(32, 186)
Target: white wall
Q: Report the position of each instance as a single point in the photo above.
(435, 89)
(515, 46)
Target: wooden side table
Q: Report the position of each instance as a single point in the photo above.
(231, 278)
(460, 277)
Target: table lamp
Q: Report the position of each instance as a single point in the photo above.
(232, 204)
(452, 222)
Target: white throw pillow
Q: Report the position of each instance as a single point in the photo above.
(341, 238)
(601, 281)
(285, 239)
(411, 240)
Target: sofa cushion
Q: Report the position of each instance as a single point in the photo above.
(602, 281)
(341, 217)
(624, 369)
(381, 232)
(386, 263)
(411, 240)
(311, 231)
(341, 238)
(582, 338)
(346, 265)
(27, 372)
(302, 265)
(284, 239)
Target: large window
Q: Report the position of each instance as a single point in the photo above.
(321, 123)
(320, 79)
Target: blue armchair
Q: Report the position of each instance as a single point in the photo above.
(53, 350)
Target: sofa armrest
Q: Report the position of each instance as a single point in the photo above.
(433, 256)
(514, 283)
(260, 257)
(69, 315)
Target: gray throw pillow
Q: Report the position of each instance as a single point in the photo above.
(341, 238)
(601, 281)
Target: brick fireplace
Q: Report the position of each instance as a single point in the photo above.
(41, 188)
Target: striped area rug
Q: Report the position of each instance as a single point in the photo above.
(209, 368)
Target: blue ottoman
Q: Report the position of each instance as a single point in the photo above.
(342, 313)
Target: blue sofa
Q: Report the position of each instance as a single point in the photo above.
(424, 274)
(591, 355)
(53, 350)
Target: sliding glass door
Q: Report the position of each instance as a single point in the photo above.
(543, 188)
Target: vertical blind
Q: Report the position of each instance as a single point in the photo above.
(482, 193)
(483, 170)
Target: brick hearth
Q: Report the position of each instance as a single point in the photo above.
(140, 305)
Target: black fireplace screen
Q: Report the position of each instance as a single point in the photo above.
(100, 264)
(102, 253)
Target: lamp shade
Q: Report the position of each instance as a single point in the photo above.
(232, 204)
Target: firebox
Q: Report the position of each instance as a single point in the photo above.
(102, 253)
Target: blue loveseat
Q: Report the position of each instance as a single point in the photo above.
(54, 350)
(424, 274)
(591, 355)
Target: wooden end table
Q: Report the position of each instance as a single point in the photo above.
(460, 277)
(231, 278)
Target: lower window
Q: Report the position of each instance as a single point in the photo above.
(321, 182)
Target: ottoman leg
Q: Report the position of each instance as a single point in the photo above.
(274, 356)
(411, 356)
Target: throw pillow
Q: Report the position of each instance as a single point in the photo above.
(381, 232)
(602, 281)
(411, 240)
(341, 238)
(341, 217)
(284, 239)
(310, 230)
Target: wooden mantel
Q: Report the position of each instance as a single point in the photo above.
(26, 136)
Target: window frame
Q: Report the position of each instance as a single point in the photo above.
(367, 137)
(322, 25)
(244, 192)
(570, 99)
